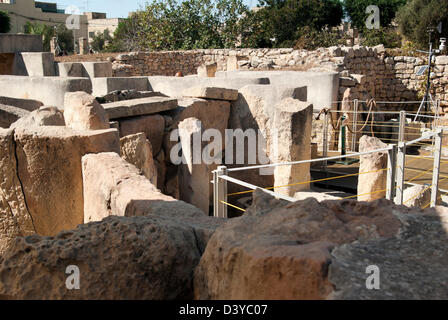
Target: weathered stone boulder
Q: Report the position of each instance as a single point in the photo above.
(281, 250)
(372, 185)
(44, 116)
(114, 187)
(49, 169)
(83, 112)
(293, 120)
(120, 258)
(211, 93)
(153, 126)
(137, 150)
(419, 196)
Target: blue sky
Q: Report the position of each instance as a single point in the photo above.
(113, 8)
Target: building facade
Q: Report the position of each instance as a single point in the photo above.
(98, 23)
(23, 11)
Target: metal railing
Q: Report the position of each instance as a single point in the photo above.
(396, 153)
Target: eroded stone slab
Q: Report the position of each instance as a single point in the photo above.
(139, 107)
(211, 93)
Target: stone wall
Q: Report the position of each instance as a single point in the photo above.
(370, 72)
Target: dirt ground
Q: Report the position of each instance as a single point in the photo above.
(86, 57)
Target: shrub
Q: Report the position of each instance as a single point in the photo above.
(5, 22)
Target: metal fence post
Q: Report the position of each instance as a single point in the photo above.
(391, 172)
(325, 140)
(219, 193)
(401, 164)
(355, 124)
(402, 127)
(436, 168)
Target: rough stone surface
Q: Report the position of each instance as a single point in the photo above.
(49, 168)
(372, 185)
(207, 70)
(121, 95)
(15, 218)
(27, 104)
(137, 150)
(83, 112)
(211, 93)
(153, 126)
(282, 251)
(120, 258)
(293, 121)
(419, 196)
(413, 264)
(44, 116)
(139, 107)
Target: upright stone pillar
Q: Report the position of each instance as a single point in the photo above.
(53, 45)
(83, 46)
(372, 186)
(293, 122)
(208, 70)
(194, 177)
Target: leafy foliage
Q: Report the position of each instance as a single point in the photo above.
(277, 22)
(63, 35)
(356, 10)
(418, 15)
(311, 39)
(5, 22)
(98, 43)
(389, 37)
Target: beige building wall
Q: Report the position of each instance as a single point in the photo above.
(22, 11)
(100, 25)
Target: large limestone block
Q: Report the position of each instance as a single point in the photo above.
(10, 114)
(27, 104)
(211, 93)
(139, 107)
(419, 196)
(208, 70)
(372, 186)
(112, 186)
(293, 120)
(194, 175)
(15, 218)
(137, 150)
(83, 112)
(282, 251)
(255, 110)
(153, 126)
(44, 116)
(120, 258)
(49, 167)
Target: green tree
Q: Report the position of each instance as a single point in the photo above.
(5, 22)
(414, 19)
(188, 24)
(99, 40)
(278, 22)
(356, 11)
(63, 35)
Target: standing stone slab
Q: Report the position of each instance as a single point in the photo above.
(293, 120)
(194, 177)
(139, 107)
(15, 219)
(370, 185)
(49, 167)
(208, 70)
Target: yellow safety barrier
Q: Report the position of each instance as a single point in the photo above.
(233, 206)
(312, 181)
